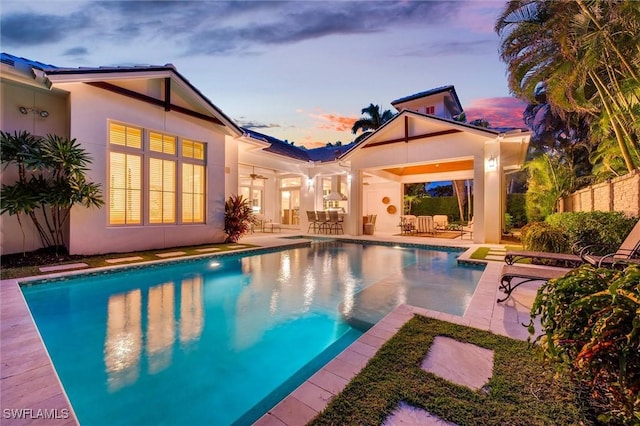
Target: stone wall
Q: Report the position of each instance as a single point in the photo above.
(618, 194)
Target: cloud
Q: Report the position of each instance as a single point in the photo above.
(76, 51)
(333, 122)
(216, 27)
(29, 29)
(499, 112)
(249, 124)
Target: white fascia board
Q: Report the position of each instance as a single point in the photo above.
(80, 77)
(253, 144)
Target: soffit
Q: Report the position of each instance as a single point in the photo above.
(441, 167)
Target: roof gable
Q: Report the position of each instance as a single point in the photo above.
(445, 127)
(121, 80)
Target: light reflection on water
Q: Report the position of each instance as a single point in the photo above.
(225, 332)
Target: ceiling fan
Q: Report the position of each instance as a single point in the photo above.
(257, 176)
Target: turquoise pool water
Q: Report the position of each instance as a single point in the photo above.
(221, 340)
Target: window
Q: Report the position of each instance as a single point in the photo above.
(192, 193)
(125, 175)
(164, 172)
(126, 136)
(162, 191)
(430, 110)
(193, 181)
(191, 149)
(162, 143)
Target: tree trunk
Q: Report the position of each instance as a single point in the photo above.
(458, 188)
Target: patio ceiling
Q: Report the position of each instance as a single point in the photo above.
(441, 167)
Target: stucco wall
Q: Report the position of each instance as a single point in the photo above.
(90, 232)
(12, 120)
(619, 194)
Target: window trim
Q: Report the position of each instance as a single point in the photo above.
(146, 154)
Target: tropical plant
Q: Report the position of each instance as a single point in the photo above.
(586, 52)
(51, 180)
(374, 119)
(550, 178)
(542, 236)
(238, 218)
(591, 329)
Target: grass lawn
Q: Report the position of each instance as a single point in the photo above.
(522, 391)
(18, 266)
(481, 253)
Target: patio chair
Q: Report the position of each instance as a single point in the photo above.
(628, 252)
(467, 229)
(440, 221)
(407, 224)
(526, 274)
(335, 224)
(313, 221)
(425, 225)
(372, 219)
(323, 221)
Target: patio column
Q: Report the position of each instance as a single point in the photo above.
(492, 193)
(354, 216)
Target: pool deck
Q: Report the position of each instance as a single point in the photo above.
(31, 392)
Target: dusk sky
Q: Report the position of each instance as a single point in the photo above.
(299, 70)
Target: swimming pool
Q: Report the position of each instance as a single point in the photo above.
(221, 340)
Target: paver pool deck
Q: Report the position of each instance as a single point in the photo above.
(31, 389)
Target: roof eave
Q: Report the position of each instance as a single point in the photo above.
(59, 76)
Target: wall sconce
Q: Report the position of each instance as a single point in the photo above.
(492, 164)
(309, 182)
(349, 178)
(26, 110)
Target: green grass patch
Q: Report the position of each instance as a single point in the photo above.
(33, 260)
(522, 391)
(480, 253)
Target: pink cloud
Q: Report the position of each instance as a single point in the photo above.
(334, 122)
(499, 112)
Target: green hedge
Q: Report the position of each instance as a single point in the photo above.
(604, 232)
(437, 205)
(516, 208)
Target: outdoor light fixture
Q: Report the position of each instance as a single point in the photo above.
(493, 162)
(309, 182)
(26, 110)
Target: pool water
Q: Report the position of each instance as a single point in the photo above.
(221, 340)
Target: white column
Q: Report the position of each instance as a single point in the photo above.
(493, 208)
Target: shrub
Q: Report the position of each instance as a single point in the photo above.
(603, 231)
(516, 208)
(238, 217)
(591, 324)
(542, 236)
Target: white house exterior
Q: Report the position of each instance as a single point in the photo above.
(183, 157)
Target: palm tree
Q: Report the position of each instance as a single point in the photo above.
(587, 53)
(374, 120)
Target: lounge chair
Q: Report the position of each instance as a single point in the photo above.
(628, 250)
(565, 259)
(527, 274)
